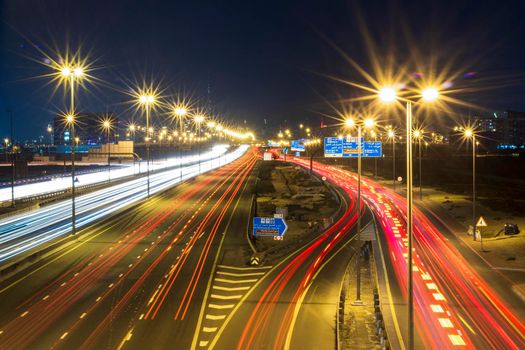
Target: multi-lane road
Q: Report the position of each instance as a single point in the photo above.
(172, 273)
(28, 231)
(456, 305)
(136, 279)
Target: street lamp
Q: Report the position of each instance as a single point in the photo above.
(418, 134)
(388, 94)
(147, 100)
(199, 119)
(180, 113)
(392, 135)
(367, 123)
(70, 75)
(6, 144)
(106, 125)
(469, 134)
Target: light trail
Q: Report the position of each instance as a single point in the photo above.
(60, 183)
(455, 306)
(63, 293)
(30, 230)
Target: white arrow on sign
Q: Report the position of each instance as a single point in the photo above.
(481, 222)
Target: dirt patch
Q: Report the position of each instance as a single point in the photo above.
(307, 200)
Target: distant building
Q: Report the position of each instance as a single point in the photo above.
(502, 130)
(514, 128)
(87, 128)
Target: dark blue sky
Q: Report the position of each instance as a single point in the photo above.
(263, 59)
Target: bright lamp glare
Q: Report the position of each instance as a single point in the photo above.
(78, 72)
(66, 71)
(369, 123)
(430, 94)
(468, 133)
(390, 133)
(199, 119)
(69, 118)
(349, 122)
(387, 94)
(180, 111)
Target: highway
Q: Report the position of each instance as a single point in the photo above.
(61, 183)
(454, 305)
(24, 232)
(137, 279)
(294, 303)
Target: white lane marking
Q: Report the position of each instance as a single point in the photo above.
(221, 307)
(63, 336)
(225, 297)
(215, 317)
(230, 289)
(24, 314)
(46, 297)
(83, 315)
(225, 280)
(240, 274)
(244, 268)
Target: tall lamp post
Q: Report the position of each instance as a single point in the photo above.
(180, 113)
(198, 119)
(367, 123)
(6, 145)
(392, 135)
(50, 132)
(418, 134)
(106, 125)
(388, 94)
(469, 134)
(147, 101)
(70, 75)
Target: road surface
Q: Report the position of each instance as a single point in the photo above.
(134, 280)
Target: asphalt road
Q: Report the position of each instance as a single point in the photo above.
(134, 280)
(456, 303)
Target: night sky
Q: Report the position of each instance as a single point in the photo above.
(262, 59)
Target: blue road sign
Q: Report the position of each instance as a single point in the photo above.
(333, 147)
(297, 145)
(269, 226)
(347, 147)
(285, 149)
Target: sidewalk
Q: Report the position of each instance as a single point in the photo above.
(359, 330)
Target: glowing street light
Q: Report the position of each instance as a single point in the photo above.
(392, 135)
(107, 126)
(469, 134)
(430, 94)
(388, 94)
(146, 101)
(366, 123)
(69, 74)
(199, 119)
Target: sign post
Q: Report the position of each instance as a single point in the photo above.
(481, 223)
